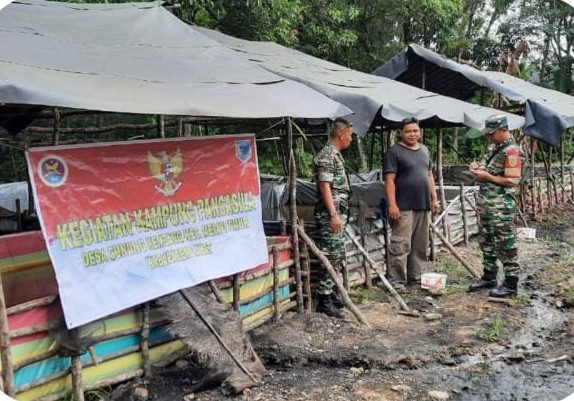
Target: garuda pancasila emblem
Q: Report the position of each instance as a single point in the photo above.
(166, 169)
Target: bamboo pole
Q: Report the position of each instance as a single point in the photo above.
(236, 292)
(77, 385)
(18, 216)
(472, 206)
(294, 217)
(276, 311)
(345, 272)
(144, 342)
(5, 348)
(454, 252)
(216, 291)
(540, 198)
(307, 281)
(439, 162)
(161, 125)
(56, 126)
(382, 277)
(365, 264)
(327, 265)
(464, 217)
(30, 305)
(571, 184)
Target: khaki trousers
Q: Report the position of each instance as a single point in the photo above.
(408, 247)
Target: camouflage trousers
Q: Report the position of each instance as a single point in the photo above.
(331, 244)
(498, 241)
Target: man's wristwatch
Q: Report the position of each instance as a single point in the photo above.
(333, 214)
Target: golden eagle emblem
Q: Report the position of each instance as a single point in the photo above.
(166, 169)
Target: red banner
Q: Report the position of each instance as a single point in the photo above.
(128, 222)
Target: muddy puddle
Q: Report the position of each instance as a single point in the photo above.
(536, 365)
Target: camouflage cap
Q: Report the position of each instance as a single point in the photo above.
(494, 123)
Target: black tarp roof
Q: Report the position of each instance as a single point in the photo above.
(372, 98)
(135, 58)
(547, 112)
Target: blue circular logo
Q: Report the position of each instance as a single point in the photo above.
(53, 170)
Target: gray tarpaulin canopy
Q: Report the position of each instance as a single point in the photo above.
(363, 93)
(137, 58)
(548, 112)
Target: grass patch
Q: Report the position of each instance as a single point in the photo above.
(568, 293)
(366, 294)
(559, 271)
(492, 332)
(522, 300)
(97, 394)
(452, 289)
(455, 271)
(319, 341)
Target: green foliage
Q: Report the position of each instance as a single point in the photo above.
(453, 269)
(270, 165)
(97, 394)
(304, 163)
(568, 293)
(319, 341)
(492, 332)
(369, 294)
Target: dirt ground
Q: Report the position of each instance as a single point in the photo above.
(460, 347)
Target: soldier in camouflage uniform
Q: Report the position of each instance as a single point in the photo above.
(496, 202)
(332, 210)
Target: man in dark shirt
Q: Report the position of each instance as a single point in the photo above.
(411, 194)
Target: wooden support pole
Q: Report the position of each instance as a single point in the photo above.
(276, 311)
(571, 184)
(345, 271)
(465, 230)
(365, 264)
(565, 194)
(145, 340)
(56, 126)
(218, 337)
(368, 280)
(236, 292)
(5, 347)
(439, 163)
(294, 217)
(327, 265)
(77, 384)
(161, 125)
(432, 245)
(454, 252)
(216, 291)
(540, 197)
(382, 277)
(307, 281)
(18, 216)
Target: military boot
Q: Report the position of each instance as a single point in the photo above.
(508, 289)
(488, 280)
(325, 306)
